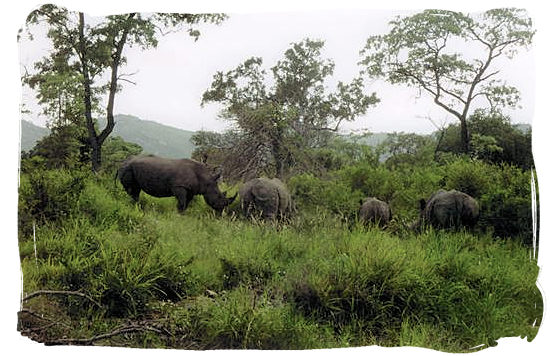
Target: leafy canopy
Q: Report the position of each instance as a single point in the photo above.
(451, 56)
(425, 50)
(293, 109)
(86, 55)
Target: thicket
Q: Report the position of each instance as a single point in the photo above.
(201, 281)
(503, 191)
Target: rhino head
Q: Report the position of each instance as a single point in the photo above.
(214, 197)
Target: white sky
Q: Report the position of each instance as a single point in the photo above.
(172, 77)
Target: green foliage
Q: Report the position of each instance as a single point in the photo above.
(372, 181)
(116, 151)
(494, 140)
(334, 196)
(48, 196)
(416, 53)
(64, 148)
(296, 113)
(469, 176)
(402, 149)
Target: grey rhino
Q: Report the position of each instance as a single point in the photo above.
(267, 197)
(374, 211)
(449, 209)
(162, 177)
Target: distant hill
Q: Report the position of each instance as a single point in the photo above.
(154, 138)
(30, 134)
(163, 140)
(524, 128)
(373, 139)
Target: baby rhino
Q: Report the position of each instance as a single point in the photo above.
(265, 197)
(374, 211)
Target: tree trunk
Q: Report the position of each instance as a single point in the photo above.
(117, 57)
(464, 136)
(92, 135)
(279, 160)
(96, 156)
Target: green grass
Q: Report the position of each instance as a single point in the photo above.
(211, 282)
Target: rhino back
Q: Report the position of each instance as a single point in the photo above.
(158, 176)
(270, 197)
(373, 209)
(451, 208)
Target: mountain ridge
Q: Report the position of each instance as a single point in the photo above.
(163, 140)
(155, 138)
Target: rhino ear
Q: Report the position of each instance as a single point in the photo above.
(422, 204)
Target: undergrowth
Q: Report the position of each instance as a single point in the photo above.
(200, 281)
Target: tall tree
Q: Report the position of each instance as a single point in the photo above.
(431, 51)
(279, 116)
(92, 52)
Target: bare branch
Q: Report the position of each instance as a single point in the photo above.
(489, 76)
(127, 81)
(59, 292)
(119, 331)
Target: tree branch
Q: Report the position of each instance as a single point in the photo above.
(59, 292)
(121, 330)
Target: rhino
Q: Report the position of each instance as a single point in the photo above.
(268, 198)
(181, 178)
(374, 211)
(449, 209)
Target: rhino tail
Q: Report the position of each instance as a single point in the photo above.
(260, 192)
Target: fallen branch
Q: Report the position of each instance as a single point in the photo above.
(91, 340)
(41, 317)
(59, 292)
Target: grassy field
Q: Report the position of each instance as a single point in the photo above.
(146, 276)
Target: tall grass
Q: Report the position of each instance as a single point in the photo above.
(317, 282)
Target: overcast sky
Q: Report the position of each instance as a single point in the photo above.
(172, 77)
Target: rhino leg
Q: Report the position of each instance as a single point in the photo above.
(183, 198)
(133, 192)
(131, 186)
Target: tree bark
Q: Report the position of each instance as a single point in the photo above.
(116, 57)
(96, 141)
(92, 134)
(464, 136)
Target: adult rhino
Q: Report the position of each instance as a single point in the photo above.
(449, 209)
(269, 198)
(374, 211)
(182, 178)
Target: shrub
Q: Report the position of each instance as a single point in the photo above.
(312, 193)
(472, 177)
(48, 195)
(373, 181)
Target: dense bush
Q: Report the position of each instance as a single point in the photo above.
(332, 195)
(472, 177)
(503, 192)
(222, 282)
(48, 195)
